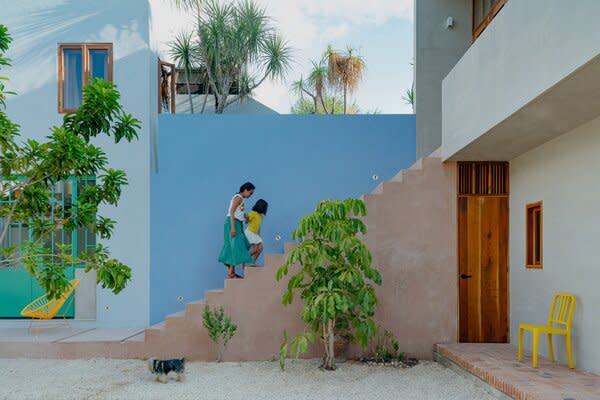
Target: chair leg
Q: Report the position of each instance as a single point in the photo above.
(550, 347)
(536, 342)
(520, 352)
(569, 350)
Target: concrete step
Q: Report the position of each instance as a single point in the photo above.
(273, 261)
(252, 272)
(154, 332)
(214, 297)
(289, 246)
(378, 189)
(417, 165)
(175, 320)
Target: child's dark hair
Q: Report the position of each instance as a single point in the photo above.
(246, 186)
(261, 207)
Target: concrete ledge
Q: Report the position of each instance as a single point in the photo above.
(477, 381)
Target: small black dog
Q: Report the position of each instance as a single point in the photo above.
(161, 368)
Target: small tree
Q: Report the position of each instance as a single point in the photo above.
(30, 169)
(219, 327)
(335, 279)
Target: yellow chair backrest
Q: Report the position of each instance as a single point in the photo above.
(42, 308)
(563, 307)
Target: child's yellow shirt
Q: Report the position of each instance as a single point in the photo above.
(254, 221)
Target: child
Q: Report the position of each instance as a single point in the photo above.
(255, 219)
(236, 245)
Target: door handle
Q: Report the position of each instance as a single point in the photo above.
(465, 276)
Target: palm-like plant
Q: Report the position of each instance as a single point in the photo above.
(237, 45)
(345, 71)
(182, 52)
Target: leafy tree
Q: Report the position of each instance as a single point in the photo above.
(335, 280)
(30, 169)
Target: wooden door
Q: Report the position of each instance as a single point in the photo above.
(483, 268)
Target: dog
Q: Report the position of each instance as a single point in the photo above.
(162, 368)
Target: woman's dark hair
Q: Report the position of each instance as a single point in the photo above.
(261, 207)
(246, 186)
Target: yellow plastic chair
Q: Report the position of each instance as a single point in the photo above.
(44, 309)
(561, 314)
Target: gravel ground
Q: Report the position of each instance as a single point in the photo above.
(130, 379)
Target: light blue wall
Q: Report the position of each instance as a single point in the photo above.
(293, 161)
(37, 28)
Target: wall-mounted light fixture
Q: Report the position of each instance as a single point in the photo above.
(449, 22)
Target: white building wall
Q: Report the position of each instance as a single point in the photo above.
(37, 28)
(565, 175)
(529, 47)
(437, 49)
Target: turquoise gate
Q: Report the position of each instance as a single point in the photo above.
(17, 287)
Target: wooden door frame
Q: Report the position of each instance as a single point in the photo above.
(457, 273)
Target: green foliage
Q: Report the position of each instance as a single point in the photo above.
(336, 278)
(30, 169)
(218, 325)
(306, 105)
(387, 348)
(236, 45)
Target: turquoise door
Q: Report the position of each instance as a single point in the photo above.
(17, 287)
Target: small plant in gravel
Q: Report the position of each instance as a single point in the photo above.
(387, 348)
(220, 328)
(335, 279)
(387, 352)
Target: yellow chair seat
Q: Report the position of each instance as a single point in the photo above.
(543, 329)
(44, 309)
(561, 313)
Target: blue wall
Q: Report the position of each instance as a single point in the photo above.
(294, 161)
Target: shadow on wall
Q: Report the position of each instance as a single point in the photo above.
(294, 161)
(39, 26)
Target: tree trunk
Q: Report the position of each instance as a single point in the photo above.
(187, 83)
(329, 342)
(345, 99)
(222, 99)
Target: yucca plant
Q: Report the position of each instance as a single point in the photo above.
(237, 45)
(182, 52)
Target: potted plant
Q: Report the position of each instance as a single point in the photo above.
(335, 279)
(219, 327)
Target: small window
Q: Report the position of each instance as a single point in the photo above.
(77, 63)
(534, 235)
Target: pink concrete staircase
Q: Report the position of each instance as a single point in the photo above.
(411, 226)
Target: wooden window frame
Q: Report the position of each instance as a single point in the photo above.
(530, 243)
(85, 50)
(477, 30)
(172, 86)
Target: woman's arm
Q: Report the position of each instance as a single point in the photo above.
(234, 205)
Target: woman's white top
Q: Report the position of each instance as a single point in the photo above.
(239, 213)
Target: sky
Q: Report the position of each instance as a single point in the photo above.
(381, 31)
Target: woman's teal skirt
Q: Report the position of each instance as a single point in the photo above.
(235, 249)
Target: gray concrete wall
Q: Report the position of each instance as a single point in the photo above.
(563, 174)
(528, 48)
(37, 28)
(437, 49)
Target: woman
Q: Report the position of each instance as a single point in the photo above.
(236, 245)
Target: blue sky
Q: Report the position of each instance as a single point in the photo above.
(382, 31)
